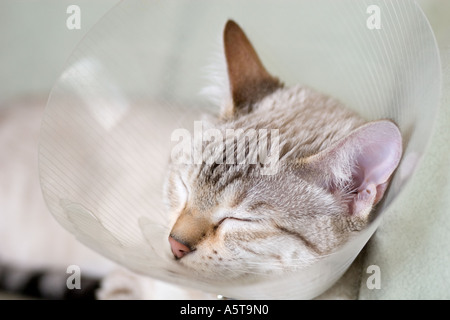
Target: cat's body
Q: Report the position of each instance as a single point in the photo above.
(35, 251)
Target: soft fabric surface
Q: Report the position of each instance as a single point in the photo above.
(412, 245)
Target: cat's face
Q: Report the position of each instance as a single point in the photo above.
(235, 221)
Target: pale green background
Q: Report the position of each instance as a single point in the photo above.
(412, 246)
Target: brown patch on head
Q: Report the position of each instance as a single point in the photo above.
(249, 80)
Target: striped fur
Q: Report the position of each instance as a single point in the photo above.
(49, 284)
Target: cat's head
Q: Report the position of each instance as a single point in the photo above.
(233, 220)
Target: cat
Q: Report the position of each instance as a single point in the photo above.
(237, 221)
(232, 220)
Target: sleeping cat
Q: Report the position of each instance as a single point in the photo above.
(333, 167)
(232, 220)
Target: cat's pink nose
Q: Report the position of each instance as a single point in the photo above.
(179, 249)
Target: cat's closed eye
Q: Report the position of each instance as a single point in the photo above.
(235, 220)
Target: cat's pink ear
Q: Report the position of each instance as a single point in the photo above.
(249, 80)
(361, 165)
